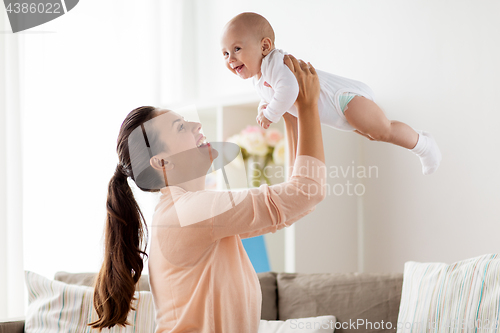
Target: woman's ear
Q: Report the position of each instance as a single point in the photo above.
(266, 46)
(158, 163)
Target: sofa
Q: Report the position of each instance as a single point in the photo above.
(463, 296)
(360, 298)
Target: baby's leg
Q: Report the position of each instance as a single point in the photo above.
(367, 117)
(370, 121)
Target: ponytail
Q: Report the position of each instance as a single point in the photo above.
(125, 227)
(123, 255)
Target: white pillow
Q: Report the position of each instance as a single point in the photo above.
(322, 324)
(446, 298)
(55, 306)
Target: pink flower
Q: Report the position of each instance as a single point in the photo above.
(251, 129)
(273, 136)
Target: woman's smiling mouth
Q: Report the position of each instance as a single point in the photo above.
(201, 142)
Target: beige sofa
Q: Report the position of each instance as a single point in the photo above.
(353, 298)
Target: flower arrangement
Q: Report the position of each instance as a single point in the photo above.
(259, 148)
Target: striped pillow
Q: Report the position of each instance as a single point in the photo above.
(58, 307)
(461, 297)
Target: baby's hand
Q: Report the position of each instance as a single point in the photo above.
(261, 108)
(261, 119)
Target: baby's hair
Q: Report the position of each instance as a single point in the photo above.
(254, 22)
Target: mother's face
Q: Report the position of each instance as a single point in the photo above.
(187, 154)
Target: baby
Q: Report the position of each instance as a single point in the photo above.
(345, 104)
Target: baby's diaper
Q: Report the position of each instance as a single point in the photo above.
(344, 99)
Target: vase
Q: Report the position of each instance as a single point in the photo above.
(255, 170)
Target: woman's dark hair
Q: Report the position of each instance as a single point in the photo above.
(125, 225)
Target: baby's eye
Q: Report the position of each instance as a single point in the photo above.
(181, 127)
(224, 54)
(237, 49)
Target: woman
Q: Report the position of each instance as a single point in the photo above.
(200, 275)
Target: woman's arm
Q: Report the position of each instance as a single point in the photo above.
(270, 208)
(311, 130)
(310, 140)
(291, 138)
(272, 229)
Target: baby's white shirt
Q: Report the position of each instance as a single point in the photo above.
(285, 89)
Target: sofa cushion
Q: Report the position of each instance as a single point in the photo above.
(462, 296)
(269, 295)
(359, 301)
(55, 306)
(15, 326)
(87, 279)
(267, 283)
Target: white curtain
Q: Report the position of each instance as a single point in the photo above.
(12, 302)
(178, 49)
(79, 81)
(65, 87)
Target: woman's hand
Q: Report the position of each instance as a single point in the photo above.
(307, 78)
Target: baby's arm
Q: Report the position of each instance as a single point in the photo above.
(285, 86)
(262, 104)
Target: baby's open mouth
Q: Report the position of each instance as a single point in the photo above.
(239, 68)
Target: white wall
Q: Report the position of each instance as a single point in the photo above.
(448, 79)
(433, 65)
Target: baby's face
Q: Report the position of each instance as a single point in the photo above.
(242, 52)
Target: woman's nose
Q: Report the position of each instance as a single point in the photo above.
(196, 126)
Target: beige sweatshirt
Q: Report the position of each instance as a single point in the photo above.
(201, 277)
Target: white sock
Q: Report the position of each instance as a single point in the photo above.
(428, 152)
